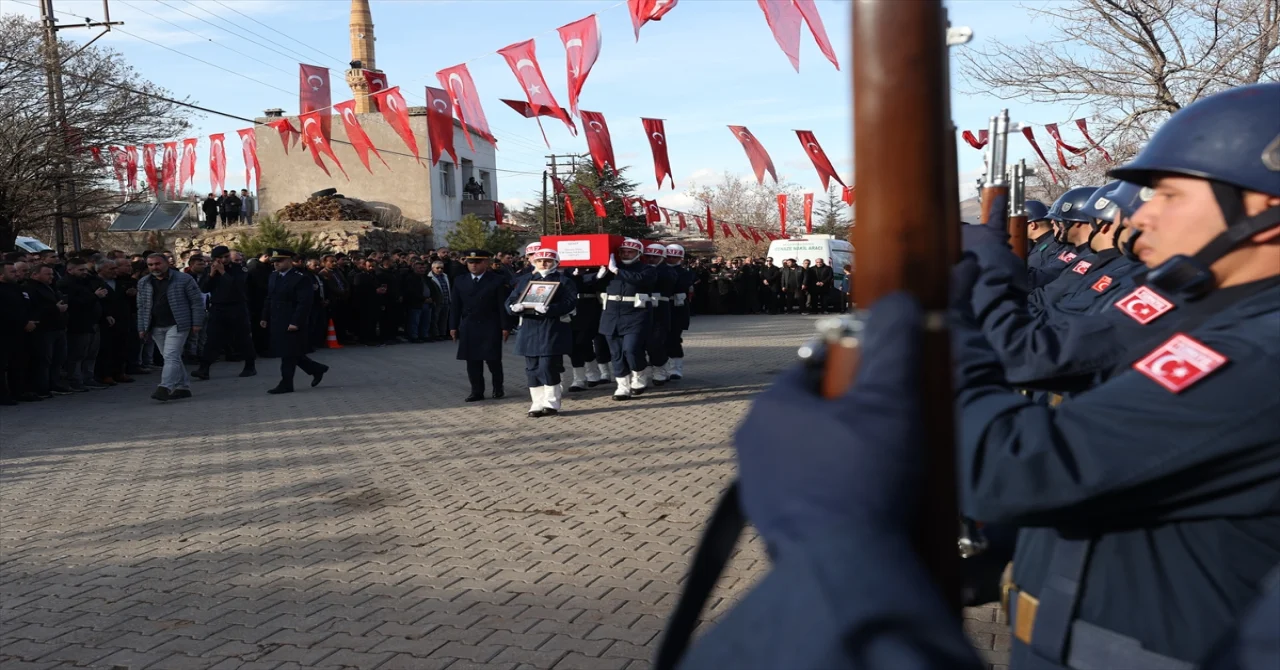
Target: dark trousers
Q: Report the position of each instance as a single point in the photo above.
(769, 297)
(584, 348)
(440, 320)
(342, 322)
(627, 353)
(50, 354)
(289, 363)
(675, 344)
(227, 324)
(82, 355)
(543, 370)
(392, 319)
(792, 300)
(656, 344)
(319, 327)
(11, 354)
(368, 324)
(112, 351)
(475, 373)
(261, 338)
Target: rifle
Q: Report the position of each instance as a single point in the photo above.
(1018, 210)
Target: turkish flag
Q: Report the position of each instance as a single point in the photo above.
(527, 111)
(188, 170)
(1084, 130)
(711, 225)
(782, 212)
(396, 112)
(755, 235)
(317, 142)
(626, 205)
(558, 186)
(1060, 145)
(596, 203)
(658, 143)
(568, 209)
(314, 95)
(523, 59)
(97, 154)
(644, 11)
(598, 141)
(819, 158)
(976, 142)
(355, 134)
(118, 162)
(784, 20)
(218, 162)
(810, 13)
(170, 163)
(742, 232)
(466, 101)
(680, 216)
(581, 49)
(288, 133)
(652, 215)
(440, 124)
(1030, 134)
(377, 81)
(724, 228)
(149, 166)
(498, 211)
(760, 161)
(808, 213)
(848, 196)
(131, 166)
(249, 149)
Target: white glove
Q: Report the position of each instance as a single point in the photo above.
(613, 264)
(575, 272)
(601, 273)
(517, 308)
(541, 309)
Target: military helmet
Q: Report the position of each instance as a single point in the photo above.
(675, 251)
(1069, 206)
(532, 247)
(632, 244)
(1232, 137)
(1129, 197)
(1100, 204)
(1036, 211)
(546, 254)
(655, 250)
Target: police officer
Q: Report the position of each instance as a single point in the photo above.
(590, 356)
(288, 306)
(626, 320)
(545, 334)
(1148, 504)
(681, 298)
(479, 321)
(227, 285)
(664, 286)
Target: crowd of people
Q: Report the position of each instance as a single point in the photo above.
(228, 209)
(758, 286)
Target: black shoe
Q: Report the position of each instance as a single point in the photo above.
(620, 398)
(499, 394)
(61, 390)
(578, 389)
(590, 384)
(474, 397)
(659, 382)
(180, 394)
(161, 394)
(538, 413)
(315, 379)
(202, 374)
(280, 389)
(249, 370)
(547, 411)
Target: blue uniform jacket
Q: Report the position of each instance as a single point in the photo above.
(1054, 265)
(289, 299)
(478, 311)
(664, 285)
(1043, 250)
(545, 334)
(684, 287)
(623, 317)
(587, 313)
(1174, 472)
(1107, 278)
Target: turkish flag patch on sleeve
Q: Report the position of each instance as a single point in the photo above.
(1102, 284)
(1144, 305)
(1179, 363)
(1067, 256)
(1082, 267)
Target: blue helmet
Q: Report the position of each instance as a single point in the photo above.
(1101, 205)
(1232, 137)
(1129, 197)
(1036, 211)
(1070, 205)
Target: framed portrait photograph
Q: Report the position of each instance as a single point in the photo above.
(539, 293)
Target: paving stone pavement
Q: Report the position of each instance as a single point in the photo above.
(376, 521)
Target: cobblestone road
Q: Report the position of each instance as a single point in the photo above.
(376, 521)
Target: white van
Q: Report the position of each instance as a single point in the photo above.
(30, 245)
(832, 250)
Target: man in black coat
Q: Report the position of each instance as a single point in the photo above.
(479, 321)
(15, 322)
(259, 270)
(210, 209)
(770, 282)
(83, 292)
(285, 318)
(228, 288)
(822, 285)
(230, 203)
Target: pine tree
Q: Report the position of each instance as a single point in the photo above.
(470, 233)
(829, 216)
(616, 220)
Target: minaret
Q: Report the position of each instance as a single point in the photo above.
(362, 57)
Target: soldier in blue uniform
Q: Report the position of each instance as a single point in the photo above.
(479, 321)
(626, 319)
(590, 356)
(681, 300)
(1042, 243)
(1066, 212)
(664, 285)
(285, 316)
(529, 250)
(545, 336)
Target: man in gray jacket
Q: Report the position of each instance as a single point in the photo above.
(169, 309)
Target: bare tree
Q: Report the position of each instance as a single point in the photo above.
(1132, 63)
(107, 104)
(742, 201)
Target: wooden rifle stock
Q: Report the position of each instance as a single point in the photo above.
(1018, 235)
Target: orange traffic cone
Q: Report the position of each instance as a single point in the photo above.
(332, 338)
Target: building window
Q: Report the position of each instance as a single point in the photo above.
(447, 181)
(484, 182)
(468, 170)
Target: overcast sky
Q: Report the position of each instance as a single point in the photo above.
(707, 64)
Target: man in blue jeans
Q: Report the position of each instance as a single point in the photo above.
(169, 309)
(421, 294)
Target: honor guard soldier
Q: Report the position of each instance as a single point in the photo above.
(590, 356)
(479, 321)
(227, 286)
(681, 300)
(626, 319)
(285, 318)
(529, 250)
(664, 287)
(1040, 240)
(545, 335)
(1066, 212)
(1148, 505)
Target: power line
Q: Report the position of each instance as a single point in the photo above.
(264, 46)
(295, 53)
(278, 32)
(209, 39)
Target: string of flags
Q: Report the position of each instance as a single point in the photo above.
(980, 141)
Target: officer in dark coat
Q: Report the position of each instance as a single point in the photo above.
(664, 287)
(285, 318)
(681, 296)
(590, 356)
(626, 320)
(228, 288)
(545, 335)
(479, 321)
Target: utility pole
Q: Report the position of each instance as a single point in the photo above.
(544, 202)
(58, 116)
(553, 168)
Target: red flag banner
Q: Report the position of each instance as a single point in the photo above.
(149, 166)
(377, 81)
(466, 101)
(811, 16)
(819, 158)
(680, 217)
(288, 133)
(527, 111)
(1059, 145)
(131, 166)
(317, 143)
(596, 203)
(498, 212)
(742, 232)
(581, 49)
(1084, 130)
(976, 142)
(652, 215)
(97, 154)
(628, 205)
(440, 124)
(658, 143)
(848, 196)
(558, 186)
(249, 150)
(188, 170)
(568, 209)
(523, 59)
(598, 141)
(711, 225)
(355, 134)
(169, 163)
(724, 229)
(217, 162)
(784, 20)
(755, 235)
(314, 95)
(644, 11)
(1028, 133)
(782, 213)
(760, 161)
(118, 163)
(396, 112)
(808, 214)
